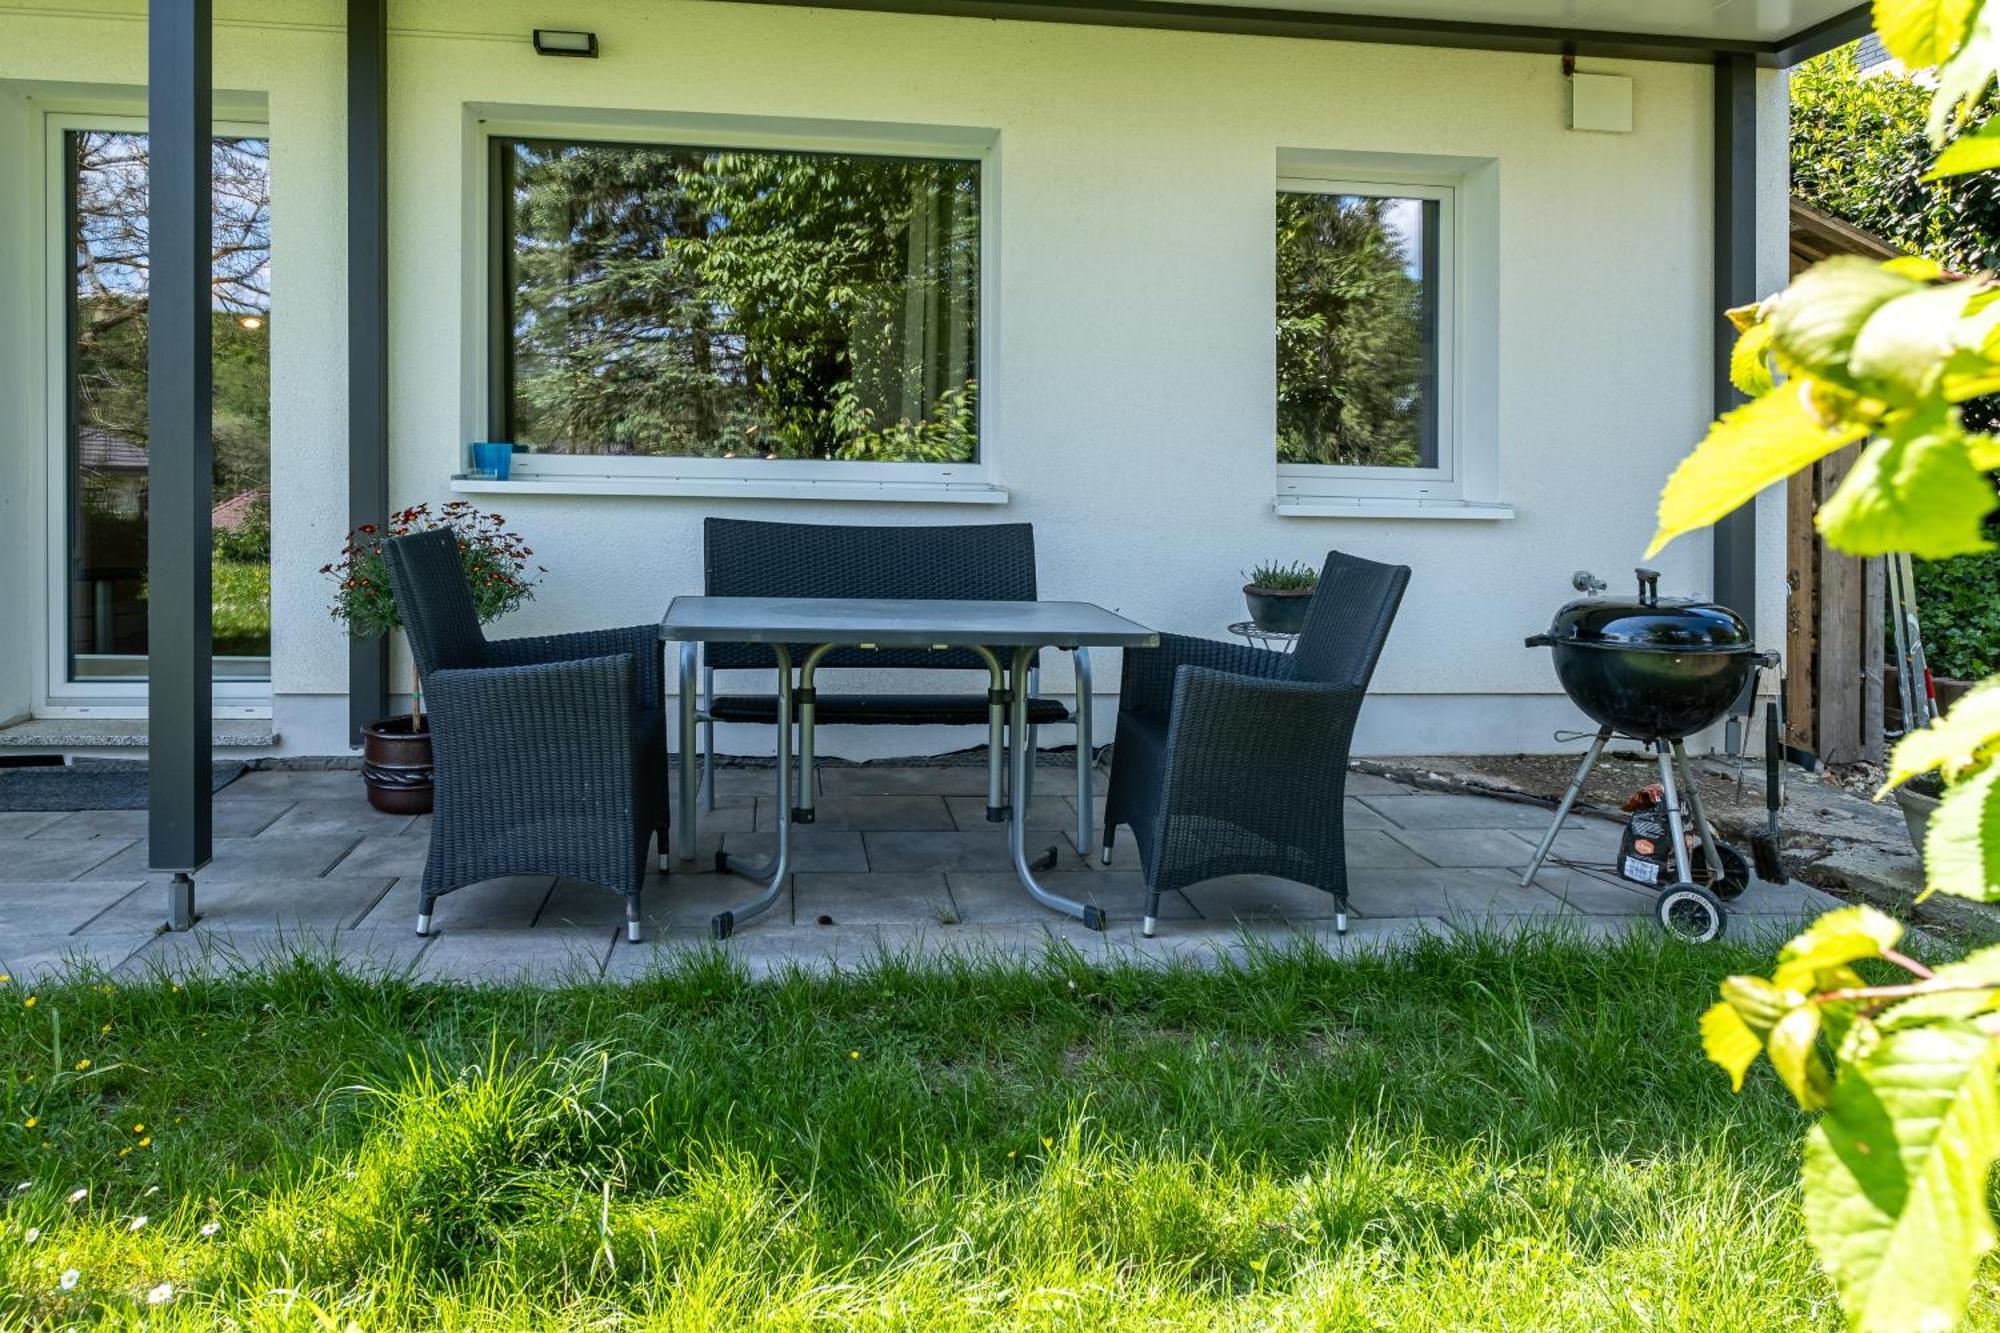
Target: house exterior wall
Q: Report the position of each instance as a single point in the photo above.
(1129, 370)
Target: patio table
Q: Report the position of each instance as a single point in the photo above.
(824, 624)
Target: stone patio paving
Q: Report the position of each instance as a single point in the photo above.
(900, 862)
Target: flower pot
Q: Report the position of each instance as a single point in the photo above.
(396, 766)
(1917, 808)
(1278, 610)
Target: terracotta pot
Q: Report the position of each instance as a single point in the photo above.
(396, 766)
(1277, 610)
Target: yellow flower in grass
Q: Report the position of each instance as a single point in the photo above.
(82, 1065)
(28, 1003)
(31, 1122)
(854, 1055)
(138, 1129)
(146, 1142)
(125, 1152)
(5, 978)
(105, 1030)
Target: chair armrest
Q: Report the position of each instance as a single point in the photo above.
(642, 642)
(570, 720)
(1147, 684)
(1272, 741)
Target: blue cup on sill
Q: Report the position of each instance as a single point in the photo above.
(494, 460)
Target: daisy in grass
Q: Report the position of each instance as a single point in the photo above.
(68, 1279)
(161, 1294)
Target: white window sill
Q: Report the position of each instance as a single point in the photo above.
(1337, 506)
(748, 488)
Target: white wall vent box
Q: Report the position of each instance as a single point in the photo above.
(1600, 102)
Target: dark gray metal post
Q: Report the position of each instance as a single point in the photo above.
(1735, 285)
(180, 469)
(367, 323)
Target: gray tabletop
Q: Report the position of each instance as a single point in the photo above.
(887, 623)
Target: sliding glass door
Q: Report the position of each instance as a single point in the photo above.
(102, 629)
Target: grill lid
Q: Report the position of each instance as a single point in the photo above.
(1648, 622)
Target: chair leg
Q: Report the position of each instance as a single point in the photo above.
(633, 932)
(425, 904)
(1104, 857)
(1152, 913)
(1340, 916)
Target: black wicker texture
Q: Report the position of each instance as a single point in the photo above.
(910, 710)
(549, 753)
(943, 562)
(1233, 760)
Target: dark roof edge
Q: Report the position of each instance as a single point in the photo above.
(1374, 28)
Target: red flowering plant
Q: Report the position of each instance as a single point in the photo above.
(496, 570)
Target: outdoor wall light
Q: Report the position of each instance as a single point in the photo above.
(556, 42)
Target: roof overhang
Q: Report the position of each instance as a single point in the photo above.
(1609, 29)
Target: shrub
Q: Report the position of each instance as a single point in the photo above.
(1959, 603)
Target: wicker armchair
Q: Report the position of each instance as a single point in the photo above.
(550, 753)
(1232, 760)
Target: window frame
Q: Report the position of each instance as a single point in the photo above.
(60, 693)
(1446, 481)
(487, 409)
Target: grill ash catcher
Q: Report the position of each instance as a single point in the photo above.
(1657, 670)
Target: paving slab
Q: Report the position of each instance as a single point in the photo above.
(349, 814)
(266, 857)
(1443, 810)
(906, 780)
(26, 823)
(57, 907)
(813, 848)
(1375, 849)
(872, 900)
(864, 812)
(732, 814)
(1597, 894)
(36, 958)
(509, 903)
(1467, 847)
(275, 903)
(41, 860)
(1370, 784)
(384, 855)
(964, 849)
(237, 819)
(294, 784)
(553, 956)
(1448, 893)
(204, 952)
(1358, 816)
(1051, 813)
(990, 897)
(1259, 898)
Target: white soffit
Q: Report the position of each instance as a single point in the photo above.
(1762, 21)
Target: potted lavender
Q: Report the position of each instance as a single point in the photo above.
(396, 751)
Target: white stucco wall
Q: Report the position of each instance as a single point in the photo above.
(1130, 378)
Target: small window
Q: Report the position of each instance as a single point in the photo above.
(762, 307)
(1363, 339)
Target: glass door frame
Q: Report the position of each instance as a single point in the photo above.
(60, 695)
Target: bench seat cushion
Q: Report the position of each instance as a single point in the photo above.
(911, 710)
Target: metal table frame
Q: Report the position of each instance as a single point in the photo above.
(981, 627)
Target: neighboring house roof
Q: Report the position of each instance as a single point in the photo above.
(231, 513)
(100, 450)
(1817, 235)
(1870, 54)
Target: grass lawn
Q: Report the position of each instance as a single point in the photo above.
(1468, 1134)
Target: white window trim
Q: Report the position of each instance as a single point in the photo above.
(605, 474)
(1464, 484)
(60, 696)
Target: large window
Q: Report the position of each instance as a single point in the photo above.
(1361, 333)
(698, 303)
(103, 183)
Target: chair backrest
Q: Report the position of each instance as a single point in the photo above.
(1348, 620)
(982, 561)
(439, 618)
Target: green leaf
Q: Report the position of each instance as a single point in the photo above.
(1895, 1177)
(1839, 938)
(1914, 491)
(1978, 151)
(1903, 346)
(1962, 841)
(1815, 321)
(1794, 1046)
(1965, 989)
(1764, 441)
(1959, 740)
(1749, 370)
(1962, 78)
(1729, 1041)
(1923, 32)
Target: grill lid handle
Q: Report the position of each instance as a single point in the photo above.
(1649, 586)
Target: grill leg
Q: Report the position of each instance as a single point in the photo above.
(1701, 828)
(1590, 759)
(1675, 829)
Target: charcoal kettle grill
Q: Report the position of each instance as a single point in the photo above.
(1656, 670)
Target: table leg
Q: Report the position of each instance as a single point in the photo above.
(708, 738)
(774, 870)
(807, 699)
(996, 736)
(1019, 758)
(684, 827)
(1086, 798)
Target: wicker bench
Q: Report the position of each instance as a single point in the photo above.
(986, 561)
